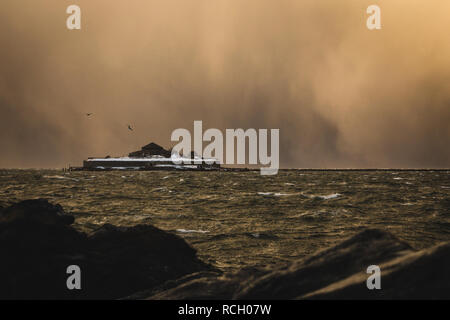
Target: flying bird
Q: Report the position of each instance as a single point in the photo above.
(130, 128)
(88, 114)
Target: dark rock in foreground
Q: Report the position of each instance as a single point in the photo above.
(202, 286)
(335, 273)
(37, 244)
(419, 275)
(38, 211)
(138, 258)
(370, 247)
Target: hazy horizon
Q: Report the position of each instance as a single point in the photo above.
(341, 95)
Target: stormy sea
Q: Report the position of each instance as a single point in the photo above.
(236, 220)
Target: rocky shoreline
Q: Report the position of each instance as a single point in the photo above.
(38, 243)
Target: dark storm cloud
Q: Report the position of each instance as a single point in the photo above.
(341, 95)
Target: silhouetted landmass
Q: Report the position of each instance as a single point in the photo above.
(150, 157)
(38, 243)
(335, 273)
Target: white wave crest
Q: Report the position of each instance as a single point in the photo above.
(191, 231)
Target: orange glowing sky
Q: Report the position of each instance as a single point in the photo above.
(342, 96)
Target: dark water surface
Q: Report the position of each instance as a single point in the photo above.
(244, 219)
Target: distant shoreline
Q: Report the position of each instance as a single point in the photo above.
(369, 169)
(225, 169)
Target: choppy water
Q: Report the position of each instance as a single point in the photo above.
(244, 219)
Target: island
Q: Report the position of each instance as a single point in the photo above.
(151, 157)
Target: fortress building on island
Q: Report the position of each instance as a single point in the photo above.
(151, 157)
